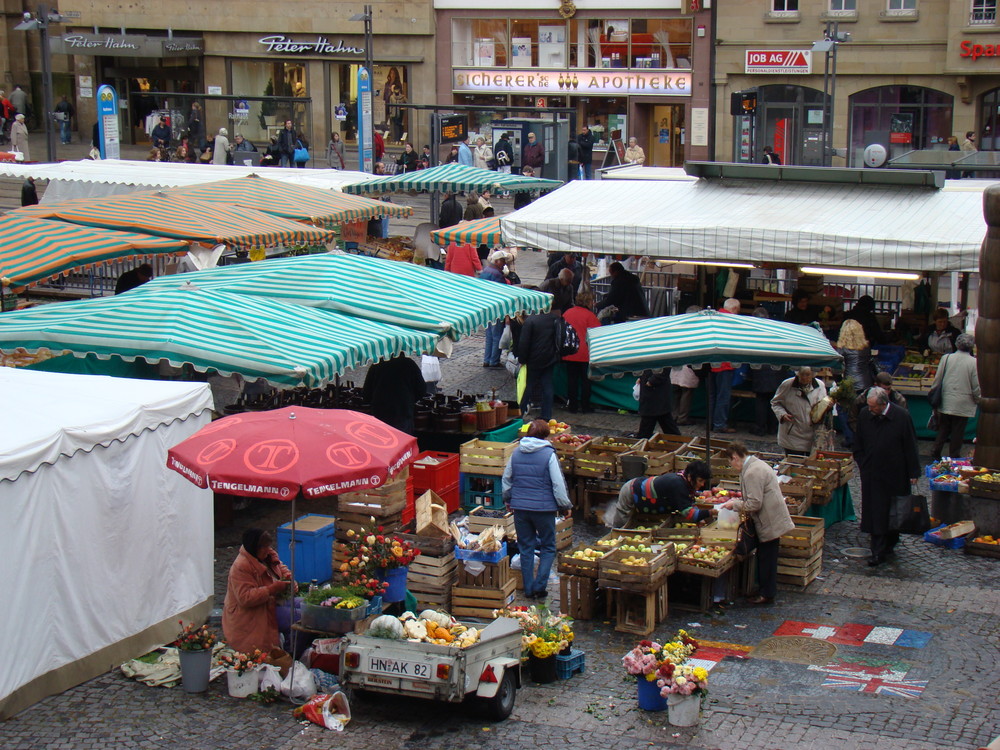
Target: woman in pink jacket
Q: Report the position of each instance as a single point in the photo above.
(463, 259)
(256, 578)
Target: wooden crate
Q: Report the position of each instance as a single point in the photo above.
(615, 574)
(800, 571)
(595, 464)
(612, 444)
(345, 523)
(805, 539)
(843, 460)
(479, 520)
(574, 566)
(485, 457)
(578, 597)
(657, 462)
(661, 442)
(981, 548)
(354, 506)
(426, 600)
(566, 452)
(640, 613)
(798, 497)
(430, 546)
(979, 488)
(822, 480)
(470, 601)
(564, 533)
(711, 533)
(711, 570)
(493, 576)
(432, 575)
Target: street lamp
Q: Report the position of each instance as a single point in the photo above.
(369, 126)
(41, 21)
(832, 37)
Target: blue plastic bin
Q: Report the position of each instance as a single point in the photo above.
(313, 547)
(567, 666)
(956, 543)
(487, 557)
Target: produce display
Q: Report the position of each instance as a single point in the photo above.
(718, 495)
(555, 427)
(987, 540)
(569, 439)
(338, 597)
(702, 553)
(429, 627)
(621, 539)
(588, 554)
(637, 562)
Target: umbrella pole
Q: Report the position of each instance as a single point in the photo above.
(708, 423)
(294, 632)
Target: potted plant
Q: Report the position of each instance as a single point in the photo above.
(385, 557)
(242, 672)
(684, 687)
(544, 635)
(194, 647)
(648, 662)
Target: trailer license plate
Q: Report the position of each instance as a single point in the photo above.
(414, 670)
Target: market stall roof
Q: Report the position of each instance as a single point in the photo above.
(181, 218)
(32, 250)
(704, 337)
(295, 202)
(639, 172)
(378, 289)
(287, 344)
(452, 178)
(477, 232)
(756, 221)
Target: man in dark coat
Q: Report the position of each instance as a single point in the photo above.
(538, 350)
(573, 160)
(567, 260)
(533, 154)
(451, 212)
(656, 403)
(161, 134)
(503, 152)
(29, 194)
(885, 448)
(287, 143)
(393, 388)
(136, 277)
(561, 289)
(625, 293)
(585, 146)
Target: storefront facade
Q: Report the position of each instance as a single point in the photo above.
(641, 69)
(908, 78)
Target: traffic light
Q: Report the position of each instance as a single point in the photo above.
(743, 103)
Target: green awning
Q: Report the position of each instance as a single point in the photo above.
(478, 232)
(705, 337)
(377, 289)
(452, 178)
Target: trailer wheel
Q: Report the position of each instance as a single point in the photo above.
(500, 706)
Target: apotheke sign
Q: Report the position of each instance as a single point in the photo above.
(318, 46)
(580, 82)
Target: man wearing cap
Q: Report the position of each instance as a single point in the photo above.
(493, 271)
(160, 134)
(533, 154)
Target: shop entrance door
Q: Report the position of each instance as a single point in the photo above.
(666, 136)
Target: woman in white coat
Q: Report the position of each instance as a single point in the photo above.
(19, 136)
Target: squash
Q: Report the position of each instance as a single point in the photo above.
(415, 629)
(386, 626)
(439, 618)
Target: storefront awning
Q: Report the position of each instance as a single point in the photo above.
(854, 226)
(453, 178)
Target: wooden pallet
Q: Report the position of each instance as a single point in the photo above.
(640, 613)
(468, 601)
(485, 457)
(578, 597)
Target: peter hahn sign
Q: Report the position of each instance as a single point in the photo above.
(126, 45)
(581, 82)
(318, 46)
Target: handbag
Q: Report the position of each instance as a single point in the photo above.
(746, 537)
(932, 421)
(908, 514)
(934, 395)
(301, 155)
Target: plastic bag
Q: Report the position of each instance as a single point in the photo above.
(636, 390)
(299, 684)
(515, 562)
(430, 368)
(728, 519)
(271, 678)
(510, 363)
(329, 711)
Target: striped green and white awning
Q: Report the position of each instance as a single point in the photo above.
(478, 232)
(295, 202)
(32, 250)
(705, 337)
(287, 344)
(378, 289)
(452, 178)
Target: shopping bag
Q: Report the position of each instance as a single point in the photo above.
(746, 537)
(430, 368)
(301, 153)
(908, 514)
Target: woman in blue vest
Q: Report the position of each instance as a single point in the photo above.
(667, 493)
(534, 488)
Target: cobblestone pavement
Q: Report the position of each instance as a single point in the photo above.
(754, 703)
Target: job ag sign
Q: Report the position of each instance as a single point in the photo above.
(779, 61)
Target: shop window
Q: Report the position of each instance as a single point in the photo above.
(989, 119)
(481, 43)
(253, 78)
(902, 4)
(984, 13)
(390, 88)
(524, 43)
(872, 111)
(661, 43)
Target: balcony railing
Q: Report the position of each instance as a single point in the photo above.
(983, 17)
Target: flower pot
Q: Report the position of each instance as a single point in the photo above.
(242, 685)
(683, 710)
(649, 695)
(196, 667)
(396, 578)
(542, 671)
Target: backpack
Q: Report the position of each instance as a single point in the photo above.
(502, 158)
(569, 342)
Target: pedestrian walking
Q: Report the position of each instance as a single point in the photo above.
(463, 259)
(473, 208)
(685, 382)
(504, 154)
(220, 148)
(29, 195)
(482, 155)
(581, 317)
(538, 350)
(857, 353)
(64, 115)
(958, 378)
(465, 153)
(533, 154)
(493, 271)
(634, 153)
(393, 387)
(335, 152)
(585, 141)
(792, 405)
(287, 143)
(450, 213)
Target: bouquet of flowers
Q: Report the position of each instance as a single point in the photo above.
(682, 679)
(234, 661)
(338, 597)
(649, 657)
(194, 639)
(543, 634)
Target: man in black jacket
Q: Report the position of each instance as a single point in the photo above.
(585, 145)
(570, 261)
(573, 160)
(626, 294)
(655, 403)
(451, 212)
(287, 142)
(161, 134)
(538, 350)
(504, 154)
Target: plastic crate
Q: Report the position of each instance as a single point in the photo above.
(480, 556)
(313, 547)
(435, 477)
(450, 495)
(324, 618)
(374, 606)
(567, 666)
(481, 491)
(956, 543)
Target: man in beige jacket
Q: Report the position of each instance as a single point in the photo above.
(792, 404)
(764, 502)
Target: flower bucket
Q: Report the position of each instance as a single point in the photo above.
(542, 671)
(196, 667)
(396, 578)
(242, 685)
(649, 695)
(683, 710)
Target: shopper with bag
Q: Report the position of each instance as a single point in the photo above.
(885, 449)
(765, 517)
(957, 381)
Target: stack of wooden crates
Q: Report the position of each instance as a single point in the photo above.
(800, 551)
(385, 504)
(433, 573)
(492, 588)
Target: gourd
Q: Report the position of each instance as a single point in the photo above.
(415, 629)
(386, 626)
(438, 618)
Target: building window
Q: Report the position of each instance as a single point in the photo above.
(902, 4)
(785, 6)
(872, 112)
(843, 5)
(984, 13)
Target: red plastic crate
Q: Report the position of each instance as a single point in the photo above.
(435, 477)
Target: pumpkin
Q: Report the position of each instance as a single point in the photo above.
(439, 618)
(386, 626)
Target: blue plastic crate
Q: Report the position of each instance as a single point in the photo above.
(567, 666)
(313, 547)
(956, 543)
(487, 557)
(944, 486)
(375, 606)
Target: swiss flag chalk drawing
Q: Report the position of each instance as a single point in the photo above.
(854, 634)
(285, 453)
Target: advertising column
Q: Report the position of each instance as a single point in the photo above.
(107, 118)
(365, 158)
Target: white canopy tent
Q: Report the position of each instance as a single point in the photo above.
(93, 179)
(761, 221)
(106, 549)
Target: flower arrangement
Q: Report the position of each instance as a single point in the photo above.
(369, 551)
(682, 679)
(194, 639)
(338, 597)
(649, 657)
(543, 634)
(240, 663)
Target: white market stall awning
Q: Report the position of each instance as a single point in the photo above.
(853, 226)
